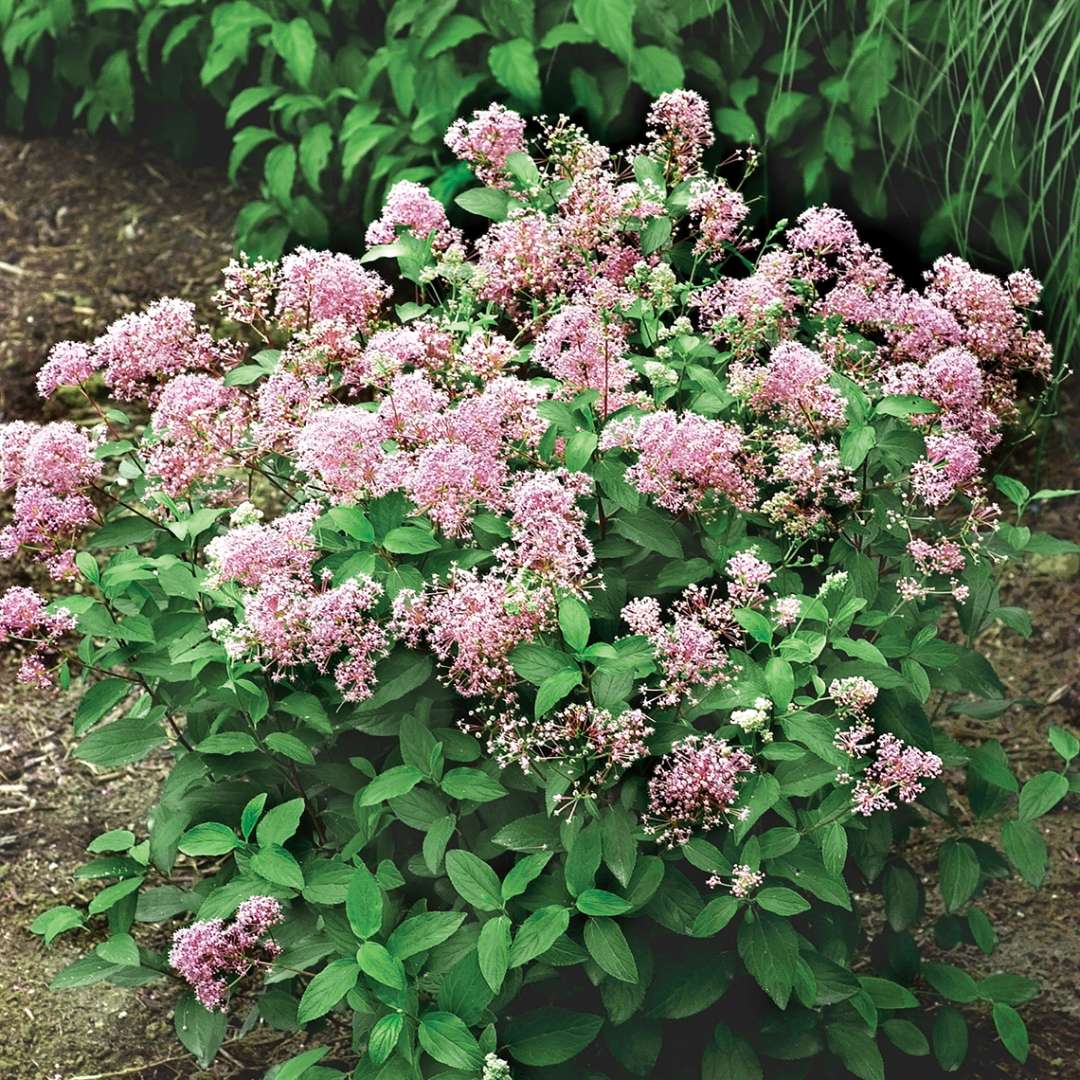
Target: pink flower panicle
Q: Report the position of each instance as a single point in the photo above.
(70, 363)
(317, 285)
(199, 424)
(411, 206)
(852, 696)
(747, 574)
(692, 649)
(680, 130)
(25, 618)
(896, 775)
(50, 469)
(141, 350)
(685, 461)
(486, 141)
(695, 787)
(208, 954)
(718, 211)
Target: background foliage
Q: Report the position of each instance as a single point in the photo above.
(950, 120)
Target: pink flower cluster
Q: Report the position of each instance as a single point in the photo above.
(486, 141)
(289, 619)
(318, 285)
(208, 954)
(692, 649)
(25, 619)
(695, 787)
(895, 775)
(680, 130)
(410, 206)
(747, 574)
(684, 461)
(199, 424)
(50, 469)
(595, 745)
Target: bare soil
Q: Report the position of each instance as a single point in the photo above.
(89, 231)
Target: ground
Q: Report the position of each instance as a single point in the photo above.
(89, 231)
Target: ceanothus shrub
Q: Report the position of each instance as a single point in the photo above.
(542, 637)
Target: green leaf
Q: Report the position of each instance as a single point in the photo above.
(291, 747)
(535, 663)
(951, 982)
(618, 844)
(294, 42)
(523, 873)
(656, 70)
(656, 235)
(297, 1067)
(1025, 848)
(574, 622)
(327, 988)
(113, 840)
(886, 994)
(959, 873)
(579, 449)
(410, 540)
(315, 147)
(113, 895)
(600, 902)
(390, 784)
(485, 202)
(50, 924)
(905, 1036)
(690, 986)
(493, 951)
(783, 107)
(514, 65)
(249, 98)
(855, 444)
(447, 1039)
(1064, 742)
(364, 903)
(856, 1049)
(610, 22)
(1041, 794)
(209, 838)
(279, 866)
(716, 914)
(781, 901)
(280, 823)
(474, 880)
(375, 960)
(200, 1031)
(474, 784)
(608, 947)
(770, 950)
(226, 743)
(384, 1037)
(251, 814)
(121, 742)
(550, 1036)
(422, 932)
(538, 933)
(755, 624)
(1008, 989)
(279, 171)
(84, 972)
(905, 405)
(98, 701)
(554, 688)
(1013, 1031)
(950, 1038)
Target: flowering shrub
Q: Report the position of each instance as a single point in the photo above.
(542, 638)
